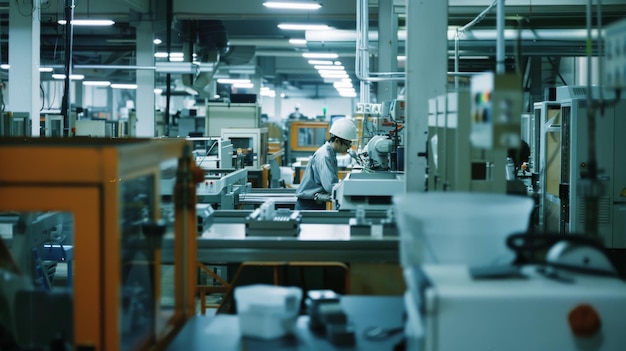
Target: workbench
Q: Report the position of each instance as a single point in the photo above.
(222, 332)
(324, 236)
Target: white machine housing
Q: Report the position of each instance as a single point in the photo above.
(449, 311)
(373, 191)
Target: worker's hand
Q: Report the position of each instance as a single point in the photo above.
(322, 197)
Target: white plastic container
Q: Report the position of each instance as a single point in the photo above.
(458, 227)
(267, 311)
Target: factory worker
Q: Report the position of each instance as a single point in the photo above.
(296, 114)
(321, 172)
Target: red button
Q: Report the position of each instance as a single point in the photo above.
(584, 321)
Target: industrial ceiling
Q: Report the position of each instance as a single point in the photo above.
(243, 39)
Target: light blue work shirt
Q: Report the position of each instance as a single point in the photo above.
(320, 174)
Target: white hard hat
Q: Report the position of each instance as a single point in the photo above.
(344, 128)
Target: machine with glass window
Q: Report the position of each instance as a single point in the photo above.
(305, 137)
(15, 124)
(95, 202)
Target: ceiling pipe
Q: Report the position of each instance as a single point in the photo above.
(69, 37)
(566, 35)
(457, 36)
(362, 55)
(362, 49)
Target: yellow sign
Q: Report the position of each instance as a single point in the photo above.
(623, 192)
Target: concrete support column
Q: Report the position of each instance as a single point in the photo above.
(278, 101)
(426, 72)
(387, 49)
(24, 33)
(144, 100)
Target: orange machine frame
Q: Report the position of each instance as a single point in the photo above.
(293, 134)
(83, 176)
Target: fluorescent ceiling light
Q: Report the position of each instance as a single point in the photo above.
(41, 69)
(297, 41)
(320, 62)
(97, 83)
(72, 76)
(320, 55)
(332, 80)
(345, 89)
(161, 54)
(331, 68)
(124, 86)
(89, 22)
(269, 93)
(342, 85)
(347, 93)
(233, 81)
(330, 71)
(335, 75)
(158, 91)
(291, 5)
(177, 59)
(243, 85)
(157, 41)
(297, 26)
(401, 58)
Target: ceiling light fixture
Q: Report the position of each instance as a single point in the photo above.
(233, 81)
(342, 85)
(320, 62)
(292, 5)
(329, 68)
(297, 41)
(347, 93)
(243, 85)
(297, 26)
(72, 76)
(41, 69)
(330, 71)
(97, 83)
(124, 86)
(320, 55)
(88, 22)
(334, 75)
(268, 93)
